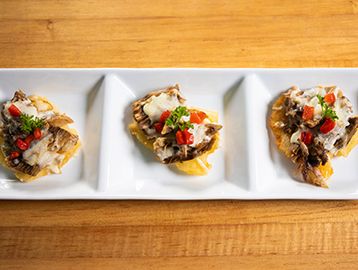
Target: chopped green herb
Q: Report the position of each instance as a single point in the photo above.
(327, 112)
(29, 123)
(175, 120)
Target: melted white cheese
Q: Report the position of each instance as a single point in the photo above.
(295, 136)
(342, 107)
(343, 112)
(38, 154)
(27, 107)
(314, 102)
(199, 133)
(328, 140)
(165, 153)
(38, 149)
(303, 97)
(309, 97)
(24, 106)
(158, 104)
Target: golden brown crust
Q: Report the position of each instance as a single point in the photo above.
(278, 116)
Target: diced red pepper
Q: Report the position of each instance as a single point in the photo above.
(189, 138)
(14, 154)
(184, 137)
(29, 139)
(306, 137)
(202, 115)
(37, 133)
(164, 116)
(21, 144)
(194, 118)
(327, 126)
(180, 137)
(308, 112)
(330, 98)
(14, 111)
(197, 117)
(158, 127)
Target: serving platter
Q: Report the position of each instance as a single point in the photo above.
(112, 165)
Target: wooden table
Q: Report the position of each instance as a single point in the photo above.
(178, 235)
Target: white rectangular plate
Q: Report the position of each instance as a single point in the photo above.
(113, 165)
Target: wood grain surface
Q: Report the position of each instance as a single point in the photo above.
(178, 235)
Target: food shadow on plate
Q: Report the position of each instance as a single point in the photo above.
(94, 96)
(236, 161)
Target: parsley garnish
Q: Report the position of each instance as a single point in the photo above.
(29, 123)
(326, 110)
(175, 120)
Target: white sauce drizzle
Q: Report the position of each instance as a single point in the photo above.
(165, 153)
(295, 136)
(38, 154)
(158, 104)
(199, 133)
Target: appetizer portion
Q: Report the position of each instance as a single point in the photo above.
(35, 138)
(311, 126)
(176, 133)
